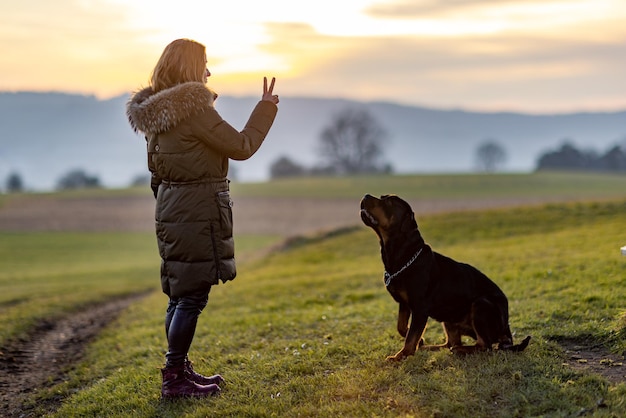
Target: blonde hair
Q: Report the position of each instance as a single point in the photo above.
(182, 60)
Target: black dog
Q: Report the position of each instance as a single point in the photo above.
(428, 284)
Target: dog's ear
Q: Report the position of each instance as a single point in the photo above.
(408, 223)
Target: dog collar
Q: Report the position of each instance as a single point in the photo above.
(390, 277)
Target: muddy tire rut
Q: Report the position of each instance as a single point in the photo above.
(43, 358)
(596, 359)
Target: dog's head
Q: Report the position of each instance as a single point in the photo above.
(390, 216)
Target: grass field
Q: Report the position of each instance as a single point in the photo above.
(583, 185)
(47, 275)
(304, 330)
(445, 186)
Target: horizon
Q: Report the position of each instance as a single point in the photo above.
(521, 56)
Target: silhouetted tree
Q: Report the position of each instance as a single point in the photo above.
(614, 159)
(285, 167)
(490, 156)
(568, 157)
(352, 143)
(77, 179)
(14, 183)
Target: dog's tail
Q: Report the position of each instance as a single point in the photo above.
(517, 347)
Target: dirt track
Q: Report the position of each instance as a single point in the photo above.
(52, 348)
(253, 215)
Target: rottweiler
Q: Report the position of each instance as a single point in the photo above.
(428, 284)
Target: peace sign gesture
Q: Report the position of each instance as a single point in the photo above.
(268, 93)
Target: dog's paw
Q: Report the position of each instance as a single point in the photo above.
(399, 356)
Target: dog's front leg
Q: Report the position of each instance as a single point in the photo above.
(404, 313)
(418, 324)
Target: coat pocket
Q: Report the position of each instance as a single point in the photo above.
(225, 256)
(225, 206)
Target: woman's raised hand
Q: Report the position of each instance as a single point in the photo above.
(268, 93)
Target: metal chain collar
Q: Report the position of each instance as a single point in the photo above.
(390, 277)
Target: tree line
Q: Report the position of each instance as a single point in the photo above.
(568, 157)
(353, 144)
(72, 180)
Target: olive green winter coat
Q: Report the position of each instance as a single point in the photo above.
(189, 146)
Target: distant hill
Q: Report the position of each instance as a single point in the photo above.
(44, 135)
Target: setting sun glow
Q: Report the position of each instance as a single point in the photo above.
(550, 54)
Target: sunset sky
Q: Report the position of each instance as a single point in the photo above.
(522, 55)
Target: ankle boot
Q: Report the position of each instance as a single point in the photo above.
(176, 385)
(190, 374)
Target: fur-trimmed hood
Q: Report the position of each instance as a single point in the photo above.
(153, 113)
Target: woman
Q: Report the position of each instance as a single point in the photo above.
(189, 146)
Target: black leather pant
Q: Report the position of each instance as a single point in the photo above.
(180, 326)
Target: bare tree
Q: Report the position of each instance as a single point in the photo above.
(490, 156)
(352, 143)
